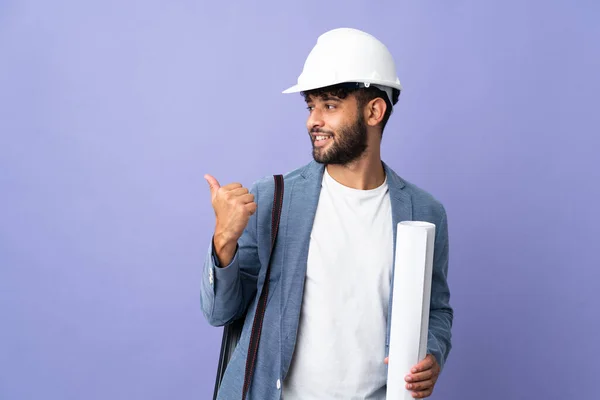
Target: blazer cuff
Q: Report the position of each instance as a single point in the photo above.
(224, 276)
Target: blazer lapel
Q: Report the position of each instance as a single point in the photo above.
(302, 200)
(400, 199)
(401, 211)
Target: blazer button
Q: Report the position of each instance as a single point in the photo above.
(278, 384)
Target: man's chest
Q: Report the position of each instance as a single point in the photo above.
(351, 242)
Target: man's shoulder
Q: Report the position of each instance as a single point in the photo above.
(264, 187)
(422, 196)
(267, 183)
(424, 203)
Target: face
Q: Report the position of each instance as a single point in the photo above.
(337, 129)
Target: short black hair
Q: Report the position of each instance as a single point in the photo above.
(363, 96)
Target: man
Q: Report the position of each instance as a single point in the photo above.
(326, 326)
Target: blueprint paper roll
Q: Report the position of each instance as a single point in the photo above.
(413, 268)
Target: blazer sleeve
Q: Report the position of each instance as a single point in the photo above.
(439, 342)
(226, 291)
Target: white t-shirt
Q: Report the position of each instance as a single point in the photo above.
(341, 337)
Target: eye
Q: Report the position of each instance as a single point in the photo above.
(330, 106)
(310, 108)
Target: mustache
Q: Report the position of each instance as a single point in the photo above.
(319, 130)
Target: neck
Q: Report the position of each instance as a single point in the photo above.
(364, 174)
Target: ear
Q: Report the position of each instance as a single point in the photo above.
(374, 111)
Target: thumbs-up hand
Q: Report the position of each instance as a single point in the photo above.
(233, 205)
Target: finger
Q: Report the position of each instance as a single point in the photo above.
(237, 191)
(232, 186)
(386, 360)
(425, 364)
(213, 184)
(420, 376)
(250, 207)
(422, 394)
(420, 386)
(246, 198)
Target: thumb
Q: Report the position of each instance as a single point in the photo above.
(212, 183)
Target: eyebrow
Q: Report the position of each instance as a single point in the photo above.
(325, 98)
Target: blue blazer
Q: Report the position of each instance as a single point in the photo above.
(229, 292)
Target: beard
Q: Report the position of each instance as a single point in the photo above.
(347, 145)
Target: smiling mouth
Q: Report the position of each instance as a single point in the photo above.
(321, 141)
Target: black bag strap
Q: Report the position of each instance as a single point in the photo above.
(262, 301)
(233, 331)
(231, 336)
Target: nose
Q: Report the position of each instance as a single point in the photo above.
(315, 120)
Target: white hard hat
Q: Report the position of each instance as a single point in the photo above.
(348, 55)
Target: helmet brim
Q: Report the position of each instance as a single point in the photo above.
(302, 88)
(294, 89)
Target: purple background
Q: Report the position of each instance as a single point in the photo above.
(112, 111)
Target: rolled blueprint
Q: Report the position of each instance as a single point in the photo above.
(410, 303)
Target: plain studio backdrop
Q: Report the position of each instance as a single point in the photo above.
(111, 112)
